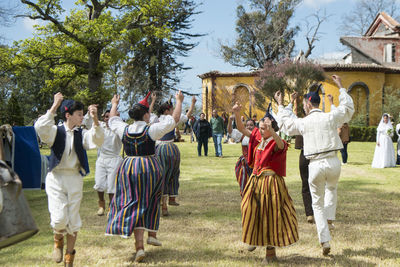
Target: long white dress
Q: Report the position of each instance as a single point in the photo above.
(384, 155)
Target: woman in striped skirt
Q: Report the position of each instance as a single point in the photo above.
(268, 214)
(170, 157)
(136, 204)
(242, 169)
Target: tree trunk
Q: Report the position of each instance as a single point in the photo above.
(94, 77)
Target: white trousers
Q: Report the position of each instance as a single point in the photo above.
(323, 179)
(106, 171)
(64, 193)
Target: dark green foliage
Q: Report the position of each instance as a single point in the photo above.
(363, 133)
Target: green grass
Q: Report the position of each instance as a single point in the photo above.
(205, 230)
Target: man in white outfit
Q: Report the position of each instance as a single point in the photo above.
(321, 143)
(108, 161)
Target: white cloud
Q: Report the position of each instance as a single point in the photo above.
(29, 23)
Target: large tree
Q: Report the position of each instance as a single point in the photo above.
(153, 63)
(263, 33)
(360, 17)
(81, 48)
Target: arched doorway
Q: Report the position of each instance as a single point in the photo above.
(241, 94)
(359, 91)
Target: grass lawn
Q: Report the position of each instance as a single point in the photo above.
(205, 230)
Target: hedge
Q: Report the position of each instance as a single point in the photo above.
(365, 134)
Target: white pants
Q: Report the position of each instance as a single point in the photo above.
(106, 171)
(64, 193)
(323, 179)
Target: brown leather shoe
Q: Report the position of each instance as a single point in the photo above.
(172, 202)
(58, 249)
(326, 248)
(69, 259)
(164, 212)
(310, 219)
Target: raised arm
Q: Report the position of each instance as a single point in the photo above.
(190, 111)
(290, 124)
(239, 124)
(178, 107)
(229, 129)
(278, 140)
(93, 138)
(114, 106)
(345, 110)
(153, 101)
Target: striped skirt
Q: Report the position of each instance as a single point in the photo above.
(136, 203)
(243, 172)
(170, 159)
(268, 214)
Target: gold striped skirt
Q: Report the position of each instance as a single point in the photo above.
(268, 215)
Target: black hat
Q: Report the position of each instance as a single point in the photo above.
(268, 114)
(313, 97)
(66, 105)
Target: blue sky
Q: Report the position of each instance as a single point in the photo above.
(217, 20)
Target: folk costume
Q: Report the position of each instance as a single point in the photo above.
(321, 143)
(170, 158)
(384, 155)
(136, 203)
(268, 214)
(108, 161)
(242, 168)
(68, 163)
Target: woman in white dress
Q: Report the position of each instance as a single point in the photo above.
(384, 151)
(398, 142)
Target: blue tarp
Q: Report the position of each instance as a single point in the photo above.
(26, 156)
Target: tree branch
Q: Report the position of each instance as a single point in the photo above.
(45, 16)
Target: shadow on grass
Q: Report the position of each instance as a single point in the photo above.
(340, 260)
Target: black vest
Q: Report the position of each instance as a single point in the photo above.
(58, 148)
(139, 144)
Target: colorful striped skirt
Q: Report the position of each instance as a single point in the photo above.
(243, 172)
(136, 203)
(170, 158)
(268, 214)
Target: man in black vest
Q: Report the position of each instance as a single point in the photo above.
(67, 164)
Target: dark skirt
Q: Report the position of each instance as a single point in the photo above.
(170, 159)
(243, 172)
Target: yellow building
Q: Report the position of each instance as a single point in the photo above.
(367, 71)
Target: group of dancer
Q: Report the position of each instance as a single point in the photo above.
(136, 185)
(268, 214)
(148, 177)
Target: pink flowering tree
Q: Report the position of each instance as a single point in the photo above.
(286, 76)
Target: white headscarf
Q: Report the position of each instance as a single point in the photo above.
(384, 126)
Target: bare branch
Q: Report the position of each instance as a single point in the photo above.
(313, 34)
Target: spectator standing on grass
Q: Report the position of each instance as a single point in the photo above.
(202, 130)
(217, 127)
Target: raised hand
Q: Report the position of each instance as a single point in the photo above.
(115, 100)
(58, 99)
(179, 96)
(237, 107)
(330, 98)
(337, 80)
(194, 100)
(293, 96)
(93, 110)
(278, 97)
(153, 96)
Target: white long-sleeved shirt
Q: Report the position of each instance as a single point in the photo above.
(183, 118)
(47, 131)
(112, 143)
(156, 130)
(319, 129)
